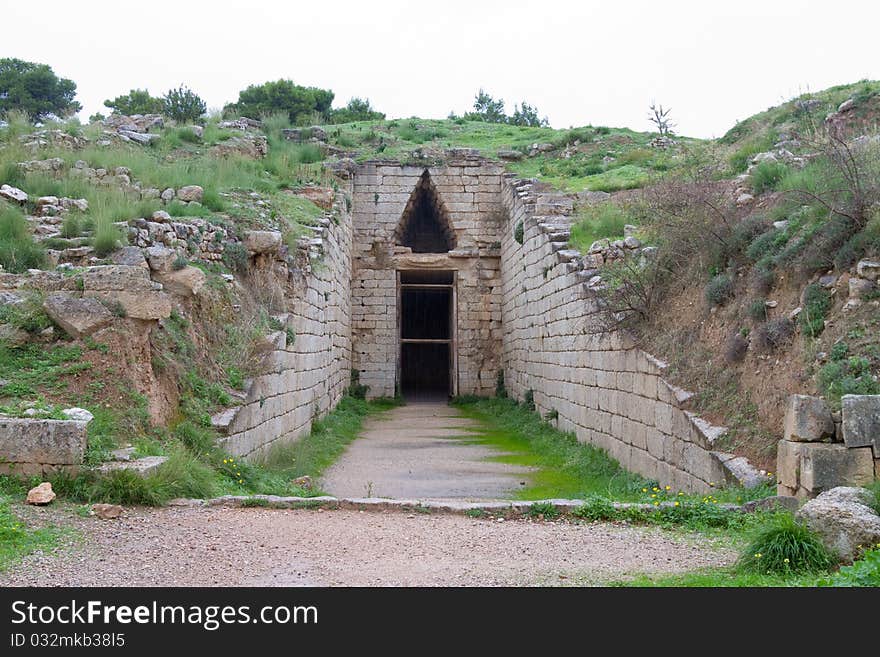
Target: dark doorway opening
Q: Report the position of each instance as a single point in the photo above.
(426, 336)
(424, 226)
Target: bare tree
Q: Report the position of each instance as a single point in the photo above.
(660, 118)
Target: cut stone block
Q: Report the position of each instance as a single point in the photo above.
(78, 317)
(55, 442)
(808, 419)
(860, 424)
(142, 467)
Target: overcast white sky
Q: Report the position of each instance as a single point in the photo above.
(589, 62)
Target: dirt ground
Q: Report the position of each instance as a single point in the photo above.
(261, 547)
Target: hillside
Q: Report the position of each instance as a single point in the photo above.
(719, 314)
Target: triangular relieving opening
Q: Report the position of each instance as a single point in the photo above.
(424, 226)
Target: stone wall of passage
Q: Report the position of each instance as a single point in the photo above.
(599, 386)
(310, 367)
(470, 190)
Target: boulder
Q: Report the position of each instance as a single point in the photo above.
(12, 336)
(859, 288)
(186, 282)
(843, 519)
(106, 511)
(860, 423)
(78, 316)
(78, 414)
(869, 269)
(160, 216)
(167, 194)
(510, 155)
(9, 299)
(262, 241)
(808, 419)
(41, 495)
(160, 258)
(846, 105)
(138, 137)
(13, 194)
(190, 193)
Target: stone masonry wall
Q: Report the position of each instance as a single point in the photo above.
(606, 391)
(470, 189)
(303, 380)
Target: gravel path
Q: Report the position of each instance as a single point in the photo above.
(416, 452)
(240, 547)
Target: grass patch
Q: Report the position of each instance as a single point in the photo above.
(784, 547)
(606, 220)
(18, 251)
(565, 467)
(17, 539)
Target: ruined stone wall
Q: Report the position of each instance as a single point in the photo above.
(303, 380)
(604, 390)
(470, 190)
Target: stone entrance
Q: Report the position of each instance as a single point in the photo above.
(426, 327)
(426, 281)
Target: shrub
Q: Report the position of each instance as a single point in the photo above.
(106, 239)
(774, 334)
(136, 101)
(719, 290)
(544, 510)
(785, 547)
(763, 245)
(762, 280)
(71, 227)
(816, 304)
(519, 232)
(18, 251)
(597, 222)
(766, 176)
(864, 572)
(758, 310)
(849, 376)
(183, 105)
(235, 256)
(736, 348)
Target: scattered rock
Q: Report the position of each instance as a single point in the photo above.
(9, 299)
(12, 336)
(13, 194)
(846, 105)
(186, 282)
(160, 216)
(129, 256)
(160, 258)
(190, 193)
(41, 495)
(304, 482)
(744, 199)
(859, 288)
(869, 269)
(79, 317)
(107, 511)
(167, 194)
(510, 155)
(844, 520)
(78, 414)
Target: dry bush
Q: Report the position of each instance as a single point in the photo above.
(735, 349)
(775, 334)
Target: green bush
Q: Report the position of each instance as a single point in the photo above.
(605, 220)
(849, 376)
(18, 251)
(519, 232)
(764, 244)
(758, 310)
(183, 105)
(785, 546)
(816, 304)
(719, 290)
(863, 572)
(766, 176)
(596, 508)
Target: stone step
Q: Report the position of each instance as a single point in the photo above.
(568, 255)
(123, 454)
(142, 467)
(221, 421)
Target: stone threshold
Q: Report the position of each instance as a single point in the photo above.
(502, 508)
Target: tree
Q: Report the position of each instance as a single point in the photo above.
(358, 109)
(300, 103)
(660, 118)
(487, 108)
(136, 101)
(527, 115)
(35, 89)
(491, 110)
(183, 105)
